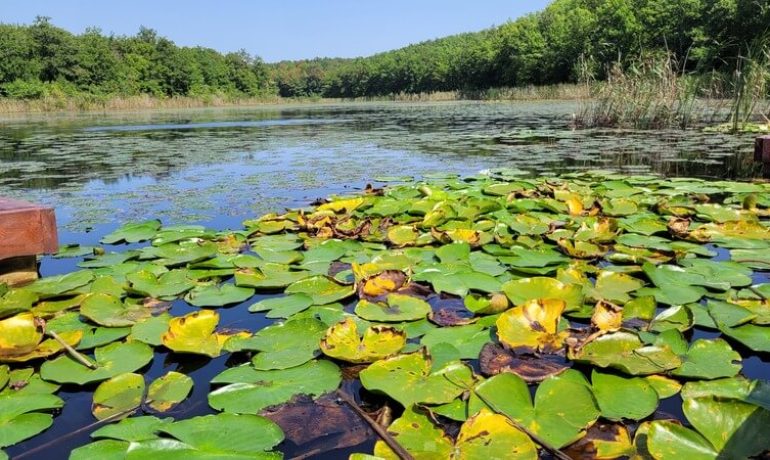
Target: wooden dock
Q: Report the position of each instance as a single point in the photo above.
(26, 231)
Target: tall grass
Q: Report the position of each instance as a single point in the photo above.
(86, 103)
(750, 86)
(655, 92)
(650, 93)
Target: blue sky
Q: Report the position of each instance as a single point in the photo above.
(276, 30)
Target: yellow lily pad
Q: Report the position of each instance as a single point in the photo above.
(343, 342)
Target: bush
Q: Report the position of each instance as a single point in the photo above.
(21, 89)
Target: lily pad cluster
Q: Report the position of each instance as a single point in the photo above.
(486, 317)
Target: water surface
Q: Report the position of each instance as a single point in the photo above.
(221, 166)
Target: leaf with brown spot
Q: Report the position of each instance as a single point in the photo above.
(603, 441)
(386, 282)
(319, 426)
(495, 359)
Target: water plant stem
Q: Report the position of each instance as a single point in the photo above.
(381, 432)
(88, 427)
(74, 353)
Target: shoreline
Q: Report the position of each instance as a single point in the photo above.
(13, 108)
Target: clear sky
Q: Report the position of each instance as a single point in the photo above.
(277, 30)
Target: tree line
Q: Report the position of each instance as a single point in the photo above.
(567, 40)
(41, 58)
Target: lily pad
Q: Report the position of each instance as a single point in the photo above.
(111, 360)
(107, 310)
(283, 345)
(562, 410)
(321, 289)
(250, 390)
(522, 290)
(218, 296)
(342, 341)
(398, 307)
(533, 325)
(725, 429)
(622, 397)
(167, 391)
(118, 396)
(195, 333)
(626, 352)
(408, 379)
(133, 232)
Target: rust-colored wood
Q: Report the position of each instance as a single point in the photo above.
(762, 149)
(26, 229)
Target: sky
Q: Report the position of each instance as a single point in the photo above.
(278, 30)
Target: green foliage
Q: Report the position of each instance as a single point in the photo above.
(43, 61)
(542, 48)
(538, 49)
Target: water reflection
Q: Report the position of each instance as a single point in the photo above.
(201, 165)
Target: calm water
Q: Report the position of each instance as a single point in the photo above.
(221, 166)
(218, 166)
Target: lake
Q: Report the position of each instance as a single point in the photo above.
(218, 167)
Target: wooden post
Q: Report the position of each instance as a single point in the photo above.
(26, 230)
(762, 149)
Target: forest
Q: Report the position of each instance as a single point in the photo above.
(560, 44)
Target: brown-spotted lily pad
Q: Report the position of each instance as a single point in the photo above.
(495, 359)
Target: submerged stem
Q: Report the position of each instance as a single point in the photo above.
(381, 432)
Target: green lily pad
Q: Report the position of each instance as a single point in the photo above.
(169, 284)
(522, 290)
(111, 360)
(133, 233)
(283, 345)
(106, 310)
(398, 307)
(623, 397)
(725, 429)
(468, 339)
(73, 250)
(321, 289)
(408, 379)
(562, 410)
(54, 286)
(173, 255)
(250, 390)
(218, 296)
(118, 396)
(16, 301)
(283, 307)
(626, 352)
(151, 330)
(20, 416)
(167, 391)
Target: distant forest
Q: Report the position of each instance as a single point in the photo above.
(556, 45)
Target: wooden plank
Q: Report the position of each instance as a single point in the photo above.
(762, 149)
(26, 229)
(18, 271)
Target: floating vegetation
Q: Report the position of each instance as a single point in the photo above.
(97, 177)
(487, 317)
(758, 128)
